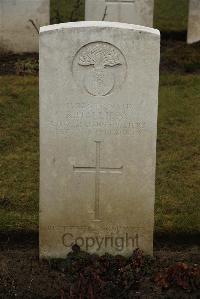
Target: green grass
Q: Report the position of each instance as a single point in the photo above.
(169, 15)
(178, 158)
(19, 152)
(178, 155)
(67, 10)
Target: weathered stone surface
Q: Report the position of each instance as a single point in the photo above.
(139, 12)
(194, 22)
(98, 124)
(19, 22)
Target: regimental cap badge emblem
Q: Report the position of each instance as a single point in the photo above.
(99, 68)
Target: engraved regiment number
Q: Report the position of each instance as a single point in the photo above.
(97, 169)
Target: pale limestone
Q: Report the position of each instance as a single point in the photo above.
(194, 22)
(98, 124)
(139, 12)
(17, 20)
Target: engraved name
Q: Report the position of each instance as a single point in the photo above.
(105, 119)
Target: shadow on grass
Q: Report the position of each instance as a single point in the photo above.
(174, 35)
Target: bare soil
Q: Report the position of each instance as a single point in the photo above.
(176, 56)
(23, 275)
(19, 64)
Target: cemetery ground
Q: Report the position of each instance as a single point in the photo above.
(177, 183)
(177, 209)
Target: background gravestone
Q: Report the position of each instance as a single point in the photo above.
(19, 24)
(139, 12)
(98, 124)
(194, 22)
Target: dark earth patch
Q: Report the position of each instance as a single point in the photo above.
(179, 57)
(22, 275)
(176, 56)
(20, 64)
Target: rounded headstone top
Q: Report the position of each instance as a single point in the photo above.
(99, 24)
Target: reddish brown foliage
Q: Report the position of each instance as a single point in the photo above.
(106, 276)
(182, 275)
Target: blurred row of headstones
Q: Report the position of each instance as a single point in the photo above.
(20, 20)
(194, 22)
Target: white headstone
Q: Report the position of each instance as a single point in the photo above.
(98, 124)
(139, 12)
(194, 22)
(20, 21)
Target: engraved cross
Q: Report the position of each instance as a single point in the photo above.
(97, 169)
